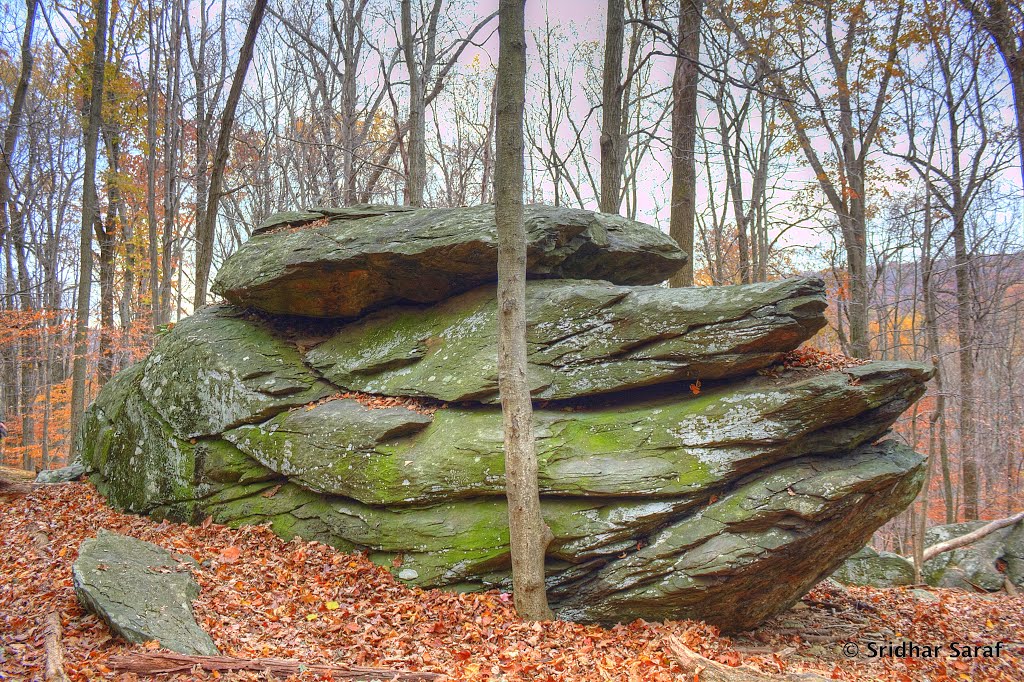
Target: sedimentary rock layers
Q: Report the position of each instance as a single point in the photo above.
(678, 479)
(584, 338)
(343, 262)
(673, 445)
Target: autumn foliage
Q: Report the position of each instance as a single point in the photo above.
(265, 597)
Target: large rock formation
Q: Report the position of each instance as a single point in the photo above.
(677, 479)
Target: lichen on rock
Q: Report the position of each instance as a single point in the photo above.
(677, 480)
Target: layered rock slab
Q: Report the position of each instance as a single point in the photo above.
(775, 535)
(342, 263)
(674, 445)
(624, 559)
(141, 591)
(583, 338)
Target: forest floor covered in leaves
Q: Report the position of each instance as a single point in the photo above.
(264, 597)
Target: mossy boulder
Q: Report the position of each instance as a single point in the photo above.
(985, 564)
(667, 446)
(875, 569)
(342, 263)
(583, 338)
(725, 499)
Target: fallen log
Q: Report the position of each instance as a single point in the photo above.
(971, 537)
(54, 649)
(15, 482)
(158, 663)
(706, 670)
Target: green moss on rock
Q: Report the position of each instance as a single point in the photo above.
(584, 338)
(220, 368)
(666, 447)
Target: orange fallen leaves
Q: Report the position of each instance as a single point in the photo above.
(229, 555)
(307, 601)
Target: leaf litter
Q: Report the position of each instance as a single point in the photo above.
(263, 597)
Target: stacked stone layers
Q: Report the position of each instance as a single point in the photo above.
(678, 480)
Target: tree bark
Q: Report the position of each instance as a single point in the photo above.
(205, 232)
(152, 89)
(528, 533)
(612, 149)
(973, 536)
(172, 141)
(684, 135)
(107, 238)
(90, 210)
(417, 150)
(965, 352)
(997, 19)
(13, 129)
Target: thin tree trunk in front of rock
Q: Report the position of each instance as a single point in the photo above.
(611, 110)
(205, 232)
(528, 533)
(90, 209)
(417, 155)
(684, 135)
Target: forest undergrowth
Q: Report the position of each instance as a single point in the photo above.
(265, 597)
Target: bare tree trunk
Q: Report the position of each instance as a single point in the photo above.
(205, 232)
(203, 121)
(612, 143)
(528, 533)
(965, 336)
(684, 135)
(13, 129)
(488, 157)
(90, 210)
(172, 140)
(29, 346)
(938, 414)
(151, 218)
(417, 150)
(107, 237)
(1002, 21)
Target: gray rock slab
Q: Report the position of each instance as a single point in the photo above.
(583, 337)
(875, 569)
(71, 472)
(141, 591)
(332, 263)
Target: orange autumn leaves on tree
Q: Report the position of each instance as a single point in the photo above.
(46, 409)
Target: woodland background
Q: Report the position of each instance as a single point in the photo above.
(877, 142)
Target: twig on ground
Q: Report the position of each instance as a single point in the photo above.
(158, 663)
(54, 649)
(711, 671)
